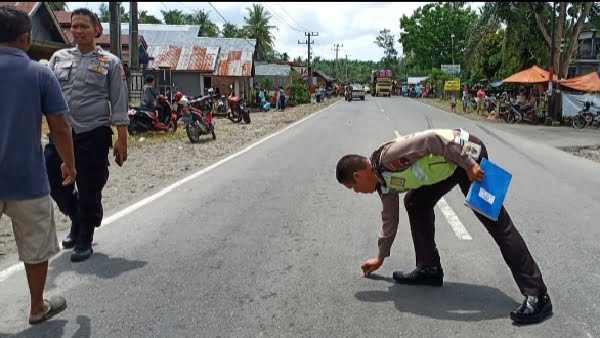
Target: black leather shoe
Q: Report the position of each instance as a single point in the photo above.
(432, 275)
(80, 255)
(533, 310)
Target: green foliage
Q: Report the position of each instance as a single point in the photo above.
(427, 34)
(144, 17)
(266, 82)
(299, 93)
(438, 78)
(257, 27)
(386, 41)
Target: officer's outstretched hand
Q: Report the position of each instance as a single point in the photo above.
(475, 173)
(371, 265)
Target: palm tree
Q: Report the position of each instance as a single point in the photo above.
(257, 27)
(201, 18)
(58, 6)
(285, 56)
(173, 17)
(231, 31)
(144, 17)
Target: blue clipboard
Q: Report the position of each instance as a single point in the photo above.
(486, 197)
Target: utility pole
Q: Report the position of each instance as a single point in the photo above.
(309, 42)
(336, 48)
(134, 46)
(115, 28)
(347, 67)
(550, 108)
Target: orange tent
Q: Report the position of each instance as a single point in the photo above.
(585, 83)
(534, 74)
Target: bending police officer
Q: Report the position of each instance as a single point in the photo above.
(427, 165)
(94, 84)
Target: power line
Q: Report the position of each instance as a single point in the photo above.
(291, 17)
(227, 22)
(280, 18)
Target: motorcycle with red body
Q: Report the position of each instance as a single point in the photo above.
(238, 109)
(142, 120)
(197, 115)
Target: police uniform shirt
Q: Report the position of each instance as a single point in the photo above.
(95, 87)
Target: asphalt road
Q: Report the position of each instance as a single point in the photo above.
(269, 244)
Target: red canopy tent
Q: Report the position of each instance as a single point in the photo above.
(585, 83)
(534, 74)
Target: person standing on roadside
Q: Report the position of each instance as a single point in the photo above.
(94, 84)
(30, 91)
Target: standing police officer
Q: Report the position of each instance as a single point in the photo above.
(94, 84)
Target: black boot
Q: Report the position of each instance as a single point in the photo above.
(533, 310)
(70, 241)
(431, 275)
(83, 248)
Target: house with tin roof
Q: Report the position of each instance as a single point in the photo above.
(197, 63)
(46, 35)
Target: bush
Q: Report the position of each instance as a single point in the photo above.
(265, 82)
(299, 93)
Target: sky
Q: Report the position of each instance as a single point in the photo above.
(355, 25)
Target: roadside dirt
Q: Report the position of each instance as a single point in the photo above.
(590, 152)
(158, 159)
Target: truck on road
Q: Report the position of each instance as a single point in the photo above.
(381, 82)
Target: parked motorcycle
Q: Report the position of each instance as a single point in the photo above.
(238, 109)
(198, 118)
(523, 112)
(586, 117)
(142, 120)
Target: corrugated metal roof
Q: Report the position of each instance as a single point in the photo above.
(180, 47)
(25, 6)
(191, 58)
(234, 63)
(184, 35)
(272, 70)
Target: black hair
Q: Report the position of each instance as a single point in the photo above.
(348, 165)
(84, 11)
(149, 78)
(13, 23)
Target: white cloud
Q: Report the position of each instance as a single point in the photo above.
(353, 24)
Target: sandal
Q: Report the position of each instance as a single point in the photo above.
(55, 305)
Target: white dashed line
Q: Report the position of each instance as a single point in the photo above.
(459, 229)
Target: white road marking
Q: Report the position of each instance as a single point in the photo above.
(4, 274)
(397, 133)
(459, 229)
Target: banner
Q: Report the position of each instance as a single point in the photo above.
(452, 85)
